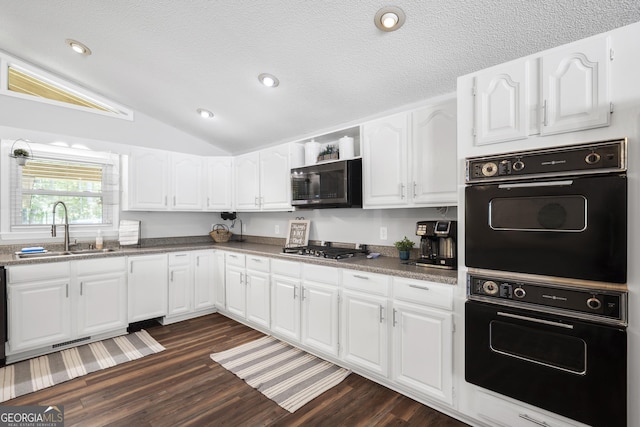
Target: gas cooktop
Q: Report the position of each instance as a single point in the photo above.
(324, 251)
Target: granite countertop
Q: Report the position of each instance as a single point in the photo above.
(383, 265)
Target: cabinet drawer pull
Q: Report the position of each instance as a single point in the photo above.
(424, 288)
(181, 254)
(357, 276)
(533, 420)
(256, 259)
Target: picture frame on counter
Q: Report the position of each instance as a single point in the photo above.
(298, 233)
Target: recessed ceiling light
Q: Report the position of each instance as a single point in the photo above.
(389, 18)
(205, 114)
(78, 47)
(268, 80)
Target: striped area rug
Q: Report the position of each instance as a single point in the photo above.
(285, 374)
(45, 371)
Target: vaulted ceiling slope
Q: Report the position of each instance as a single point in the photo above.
(166, 58)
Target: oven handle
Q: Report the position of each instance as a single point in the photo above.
(533, 319)
(536, 184)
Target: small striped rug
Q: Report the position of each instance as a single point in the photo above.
(285, 374)
(45, 371)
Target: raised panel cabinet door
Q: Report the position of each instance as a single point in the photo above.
(219, 292)
(39, 314)
(102, 303)
(320, 317)
(501, 103)
(285, 307)
(219, 184)
(423, 350)
(275, 178)
(186, 178)
(364, 333)
(258, 299)
(434, 156)
(148, 180)
(148, 287)
(180, 290)
(247, 181)
(236, 291)
(384, 161)
(204, 280)
(575, 87)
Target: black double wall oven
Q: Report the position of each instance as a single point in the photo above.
(546, 248)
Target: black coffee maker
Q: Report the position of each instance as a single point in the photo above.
(438, 244)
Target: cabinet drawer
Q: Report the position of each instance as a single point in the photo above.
(366, 282)
(179, 258)
(36, 272)
(257, 263)
(321, 274)
(234, 259)
(286, 268)
(425, 293)
(102, 265)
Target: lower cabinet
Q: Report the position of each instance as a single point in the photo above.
(320, 308)
(247, 286)
(219, 293)
(58, 303)
(148, 286)
(285, 299)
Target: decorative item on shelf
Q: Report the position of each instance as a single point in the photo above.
(20, 154)
(311, 152)
(220, 233)
(404, 247)
(330, 152)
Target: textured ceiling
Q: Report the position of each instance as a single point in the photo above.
(166, 58)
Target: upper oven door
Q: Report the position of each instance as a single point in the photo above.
(567, 227)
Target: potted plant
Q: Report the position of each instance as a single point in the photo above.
(21, 156)
(404, 247)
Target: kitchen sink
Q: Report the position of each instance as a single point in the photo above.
(91, 251)
(61, 253)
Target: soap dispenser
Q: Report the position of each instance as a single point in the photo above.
(99, 242)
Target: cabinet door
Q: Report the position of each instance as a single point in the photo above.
(285, 306)
(422, 350)
(320, 317)
(434, 156)
(204, 280)
(39, 314)
(575, 87)
(384, 158)
(186, 179)
(364, 331)
(102, 305)
(147, 279)
(247, 182)
(236, 291)
(501, 103)
(219, 281)
(258, 298)
(219, 184)
(180, 290)
(148, 180)
(275, 178)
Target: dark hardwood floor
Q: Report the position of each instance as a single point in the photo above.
(182, 386)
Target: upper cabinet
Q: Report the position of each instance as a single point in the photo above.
(219, 184)
(564, 90)
(186, 182)
(409, 159)
(263, 178)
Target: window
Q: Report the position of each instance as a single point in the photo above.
(87, 183)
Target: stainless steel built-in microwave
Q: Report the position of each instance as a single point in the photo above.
(327, 185)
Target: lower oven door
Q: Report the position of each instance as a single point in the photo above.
(573, 227)
(573, 368)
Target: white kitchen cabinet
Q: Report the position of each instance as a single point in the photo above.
(39, 306)
(219, 293)
(147, 180)
(236, 294)
(219, 184)
(575, 87)
(263, 179)
(285, 299)
(320, 308)
(187, 190)
(410, 158)
(258, 290)
(148, 286)
(180, 290)
(204, 277)
(102, 303)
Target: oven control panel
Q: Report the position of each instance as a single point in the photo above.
(599, 157)
(601, 303)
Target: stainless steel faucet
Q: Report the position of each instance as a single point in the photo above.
(66, 224)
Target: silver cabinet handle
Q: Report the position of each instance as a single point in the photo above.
(295, 290)
(255, 201)
(241, 278)
(402, 191)
(174, 200)
(172, 276)
(533, 420)
(81, 286)
(381, 314)
(256, 259)
(544, 112)
(424, 288)
(165, 200)
(394, 317)
(232, 256)
(198, 261)
(208, 202)
(181, 254)
(415, 185)
(67, 291)
(302, 294)
(357, 276)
